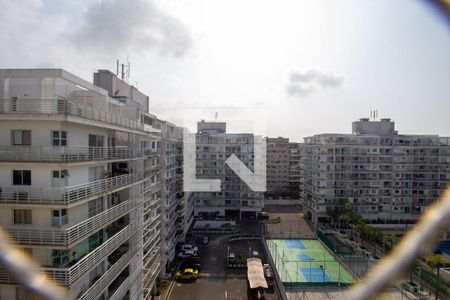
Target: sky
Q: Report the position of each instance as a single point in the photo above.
(313, 66)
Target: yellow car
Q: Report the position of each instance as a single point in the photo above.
(187, 273)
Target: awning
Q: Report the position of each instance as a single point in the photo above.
(255, 273)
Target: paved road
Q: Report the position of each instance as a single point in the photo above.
(215, 280)
(292, 222)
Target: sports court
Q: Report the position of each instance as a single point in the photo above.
(301, 262)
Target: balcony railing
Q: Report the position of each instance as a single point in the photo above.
(66, 237)
(67, 195)
(152, 152)
(126, 284)
(66, 108)
(105, 280)
(65, 154)
(67, 276)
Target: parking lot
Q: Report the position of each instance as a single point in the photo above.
(216, 280)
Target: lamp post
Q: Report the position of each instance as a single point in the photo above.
(310, 266)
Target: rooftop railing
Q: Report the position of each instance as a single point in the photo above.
(59, 237)
(66, 195)
(64, 154)
(67, 108)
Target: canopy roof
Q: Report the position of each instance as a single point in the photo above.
(255, 273)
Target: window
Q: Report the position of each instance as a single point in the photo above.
(95, 206)
(21, 294)
(59, 178)
(22, 216)
(59, 217)
(60, 258)
(21, 177)
(21, 137)
(59, 138)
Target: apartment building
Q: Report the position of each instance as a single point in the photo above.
(213, 146)
(296, 171)
(278, 165)
(385, 176)
(79, 179)
(177, 208)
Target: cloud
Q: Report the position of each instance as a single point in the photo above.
(303, 83)
(114, 26)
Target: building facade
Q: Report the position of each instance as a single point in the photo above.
(177, 209)
(296, 171)
(235, 200)
(80, 182)
(278, 168)
(385, 176)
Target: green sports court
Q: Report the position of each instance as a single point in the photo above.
(307, 261)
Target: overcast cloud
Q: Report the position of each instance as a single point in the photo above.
(303, 83)
(113, 26)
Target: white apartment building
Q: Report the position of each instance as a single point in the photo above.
(277, 176)
(385, 176)
(80, 186)
(235, 200)
(296, 170)
(177, 208)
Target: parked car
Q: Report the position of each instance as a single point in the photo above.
(231, 257)
(192, 259)
(205, 240)
(187, 254)
(187, 274)
(189, 247)
(190, 265)
(268, 274)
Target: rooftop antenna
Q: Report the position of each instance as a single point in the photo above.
(123, 70)
(127, 77)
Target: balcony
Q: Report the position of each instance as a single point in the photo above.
(102, 284)
(68, 195)
(152, 152)
(67, 237)
(65, 108)
(125, 285)
(67, 276)
(50, 154)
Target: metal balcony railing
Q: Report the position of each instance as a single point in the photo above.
(126, 284)
(66, 108)
(105, 280)
(67, 276)
(152, 152)
(59, 237)
(65, 154)
(67, 195)
(150, 273)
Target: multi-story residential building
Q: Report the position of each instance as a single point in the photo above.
(213, 146)
(79, 190)
(177, 207)
(385, 176)
(278, 173)
(296, 170)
